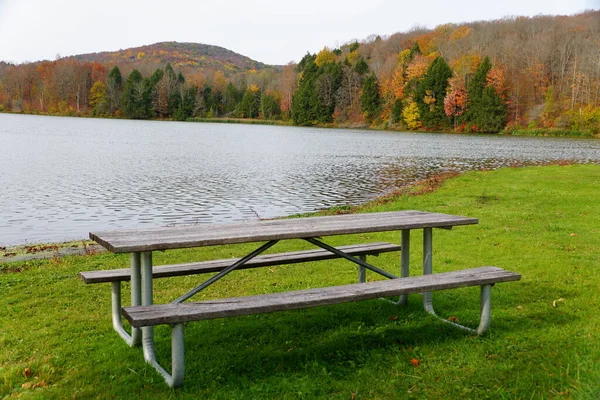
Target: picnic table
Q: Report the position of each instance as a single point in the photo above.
(140, 243)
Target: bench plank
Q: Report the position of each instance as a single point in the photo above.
(124, 241)
(124, 274)
(158, 314)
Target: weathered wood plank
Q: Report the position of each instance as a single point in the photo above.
(123, 241)
(124, 274)
(174, 313)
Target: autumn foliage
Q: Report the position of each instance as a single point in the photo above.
(539, 72)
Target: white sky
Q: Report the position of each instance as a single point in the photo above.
(270, 31)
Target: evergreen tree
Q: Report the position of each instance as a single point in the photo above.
(485, 107)
(231, 98)
(475, 90)
(326, 86)
(136, 101)
(370, 100)
(304, 107)
(187, 104)
(361, 66)
(269, 107)
(430, 94)
(114, 86)
(397, 111)
(249, 107)
(491, 111)
(415, 50)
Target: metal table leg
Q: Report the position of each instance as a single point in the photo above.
(405, 261)
(135, 339)
(428, 266)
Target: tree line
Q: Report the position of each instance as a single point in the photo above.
(540, 72)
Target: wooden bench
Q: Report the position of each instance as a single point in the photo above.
(178, 313)
(116, 276)
(267, 260)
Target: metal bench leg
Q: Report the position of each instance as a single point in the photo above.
(486, 290)
(135, 339)
(176, 378)
(485, 317)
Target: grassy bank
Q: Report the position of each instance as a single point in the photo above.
(247, 121)
(57, 340)
(554, 132)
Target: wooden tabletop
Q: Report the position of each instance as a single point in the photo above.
(124, 241)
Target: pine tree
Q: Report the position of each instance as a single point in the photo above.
(114, 87)
(361, 66)
(430, 94)
(370, 100)
(304, 107)
(136, 101)
(491, 111)
(249, 107)
(475, 90)
(485, 108)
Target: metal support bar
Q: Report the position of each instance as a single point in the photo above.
(405, 261)
(362, 272)
(484, 323)
(485, 315)
(175, 378)
(177, 350)
(355, 260)
(427, 266)
(486, 309)
(147, 331)
(224, 272)
(136, 293)
(135, 339)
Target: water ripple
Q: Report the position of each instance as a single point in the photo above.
(64, 177)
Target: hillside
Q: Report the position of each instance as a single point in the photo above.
(536, 74)
(190, 55)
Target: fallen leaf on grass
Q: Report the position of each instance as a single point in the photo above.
(31, 385)
(415, 362)
(574, 234)
(27, 372)
(519, 307)
(452, 319)
(393, 318)
(561, 300)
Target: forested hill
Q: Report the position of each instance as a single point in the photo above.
(539, 74)
(194, 55)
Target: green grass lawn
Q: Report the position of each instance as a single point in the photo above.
(544, 341)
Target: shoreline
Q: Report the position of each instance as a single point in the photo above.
(523, 131)
(52, 250)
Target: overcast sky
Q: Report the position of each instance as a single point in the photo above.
(270, 31)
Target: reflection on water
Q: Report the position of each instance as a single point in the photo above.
(63, 177)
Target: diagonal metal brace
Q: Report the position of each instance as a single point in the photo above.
(227, 270)
(348, 257)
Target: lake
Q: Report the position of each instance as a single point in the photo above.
(63, 177)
